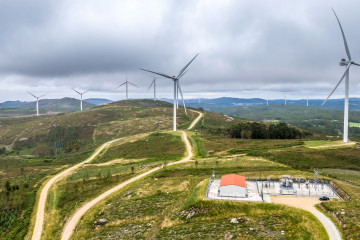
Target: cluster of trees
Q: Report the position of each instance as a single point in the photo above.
(3, 150)
(66, 138)
(258, 130)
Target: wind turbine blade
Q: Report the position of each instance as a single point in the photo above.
(42, 95)
(356, 64)
(161, 74)
(182, 97)
(184, 68)
(151, 84)
(76, 91)
(87, 91)
(347, 69)
(183, 74)
(343, 35)
(133, 84)
(120, 85)
(32, 94)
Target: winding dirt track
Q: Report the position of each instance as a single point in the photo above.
(40, 212)
(308, 204)
(74, 219)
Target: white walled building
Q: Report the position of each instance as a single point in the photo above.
(233, 185)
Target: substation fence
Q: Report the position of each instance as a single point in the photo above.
(208, 187)
(313, 189)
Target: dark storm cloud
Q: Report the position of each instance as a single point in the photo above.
(245, 46)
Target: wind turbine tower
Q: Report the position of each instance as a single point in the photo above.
(285, 100)
(37, 102)
(177, 87)
(348, 63)
(307, 101)
(126, 83)
(81, 97)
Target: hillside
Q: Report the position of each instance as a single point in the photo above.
(159, 204)
(322, 121)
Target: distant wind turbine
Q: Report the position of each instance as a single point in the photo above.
(348, 64)
(285, 100)
(307, 101)
(177, 87)
(153, 83)
(81, 97)
(37, 102)
(126, 83)
(267, 102)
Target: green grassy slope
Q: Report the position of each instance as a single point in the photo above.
(41, 146)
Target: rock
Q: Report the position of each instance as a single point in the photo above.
(102, 220)
(190, 215)
(228, 236)
(234, 220)
(251, 229)
(149, 224)
(343, 213)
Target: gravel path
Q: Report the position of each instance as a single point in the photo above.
(308, 204)
(40, 212)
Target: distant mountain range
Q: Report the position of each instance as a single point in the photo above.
(208, 104)
(46, 106)
(64, 102)
(11, 108)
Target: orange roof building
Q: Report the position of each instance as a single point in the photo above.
(233, 179)
(233, 185)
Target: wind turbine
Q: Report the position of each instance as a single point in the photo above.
(285, 100)
(177, 87)
(81, 97)
(307, 101)
(347, 63)
(153, 83)
(126, 84)
(37, 102)
(267, 102)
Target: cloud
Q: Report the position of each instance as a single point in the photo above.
(247, 48)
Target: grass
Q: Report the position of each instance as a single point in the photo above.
(354, 124)
(23, 164)
(155, 147)
(157, 207)
(316, 143)
(305, 158)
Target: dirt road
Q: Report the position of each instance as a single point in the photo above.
(74, 219)
(196, 120)
(40, 212)
(308, 204)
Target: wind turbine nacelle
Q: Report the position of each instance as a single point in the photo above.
(343, 62)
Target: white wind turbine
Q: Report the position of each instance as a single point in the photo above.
(177, 87)
(348, 64)
(285, 100)
(153, 83)
(37, 102)
(81, 97)
(126, 83)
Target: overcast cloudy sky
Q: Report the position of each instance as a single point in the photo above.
(247, 49)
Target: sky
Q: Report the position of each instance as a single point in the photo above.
(268, 49)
